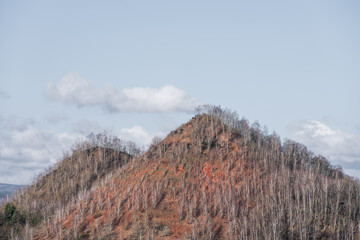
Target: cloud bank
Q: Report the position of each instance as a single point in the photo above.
(26, 150)
(339, 147)
(72, 89)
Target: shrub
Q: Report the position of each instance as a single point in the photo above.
(10, 213)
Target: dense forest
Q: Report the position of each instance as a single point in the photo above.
(215, 177)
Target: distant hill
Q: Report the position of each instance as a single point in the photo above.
(215, 177)
(7, 190)
(64, 183)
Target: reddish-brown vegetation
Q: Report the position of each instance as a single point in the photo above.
(214, 177)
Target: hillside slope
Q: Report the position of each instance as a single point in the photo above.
(62, 184)
(214, 177)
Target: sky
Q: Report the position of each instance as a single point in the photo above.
(137, 69)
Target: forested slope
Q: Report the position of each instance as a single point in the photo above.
(64, 183)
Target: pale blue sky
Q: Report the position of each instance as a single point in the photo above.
(292, 66)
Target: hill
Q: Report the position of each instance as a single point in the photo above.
(62, 184)
(215, 177)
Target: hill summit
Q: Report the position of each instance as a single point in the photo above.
(215, 177)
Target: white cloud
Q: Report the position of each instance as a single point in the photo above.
(339, 147)
(139, 135)
(136, 133)
(26, 150)
(72, 89)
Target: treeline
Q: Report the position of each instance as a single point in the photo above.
(292, 154)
